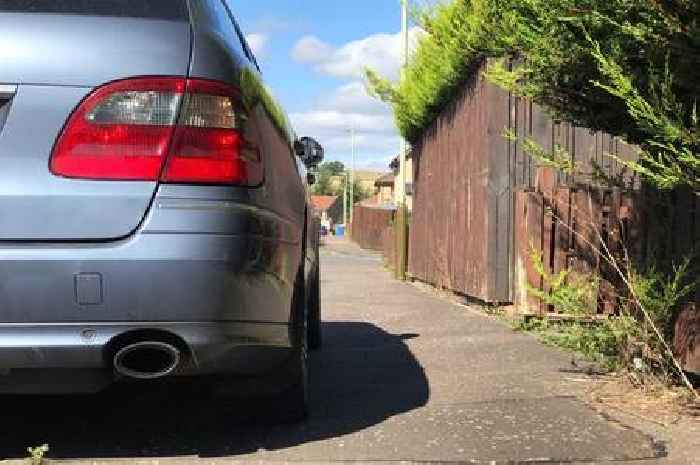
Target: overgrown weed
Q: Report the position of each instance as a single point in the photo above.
(626, 341)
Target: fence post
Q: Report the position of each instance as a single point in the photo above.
(401, 242)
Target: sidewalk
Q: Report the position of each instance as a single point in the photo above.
(403, 377)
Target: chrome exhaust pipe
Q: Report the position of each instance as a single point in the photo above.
(147, 360)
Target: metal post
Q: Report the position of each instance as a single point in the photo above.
(352, 174)
(401, 222)
(404, 64)
(345, 201)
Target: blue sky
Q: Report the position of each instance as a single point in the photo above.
(312, 53)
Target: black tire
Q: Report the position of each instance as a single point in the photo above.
(282, 395)
(260, 400)
(293, 403)
(315, 337)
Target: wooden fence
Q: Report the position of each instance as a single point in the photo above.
(568, 226)
(482, 205)
(467, 174)
(370, 226)
(460, 235)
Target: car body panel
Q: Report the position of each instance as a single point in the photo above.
(37, 205)
(82, 345)
(87, 51)
(40, 55)
(84, 263)
(70, 358)
(245, 274)
(218, 53)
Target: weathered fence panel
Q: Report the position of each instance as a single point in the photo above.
(529, 218)
(466, 174)
(687, 340)
(575, 223)
(460, 237)
(389, 247)
(369, 225)
(482, 203)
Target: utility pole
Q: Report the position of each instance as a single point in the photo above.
(352, 173)
(345, 201)
(401, 223)
(404, 62)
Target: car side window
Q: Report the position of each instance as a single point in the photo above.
(241, 37)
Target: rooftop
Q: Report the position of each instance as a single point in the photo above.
(385, 180)
(323, 202)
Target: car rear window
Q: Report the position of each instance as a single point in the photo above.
(159, 9)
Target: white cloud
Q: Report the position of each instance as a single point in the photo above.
(353, 97)
(258, 43)
(349, 106)
(337, 120)
(310, 49)
(381, 52)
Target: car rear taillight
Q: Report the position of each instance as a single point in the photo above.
(172, 129)
(209, 144)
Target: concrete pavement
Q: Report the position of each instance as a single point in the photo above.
(403, 376)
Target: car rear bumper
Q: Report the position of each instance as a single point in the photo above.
(79, 356)
(216, 275)
(191, 261)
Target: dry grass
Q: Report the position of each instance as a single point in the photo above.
(656, 402)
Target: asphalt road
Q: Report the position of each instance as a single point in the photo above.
(403, 376)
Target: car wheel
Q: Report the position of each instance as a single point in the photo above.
(282, 395)
(314, 311)
(294, 402)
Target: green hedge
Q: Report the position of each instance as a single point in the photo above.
(627, 67)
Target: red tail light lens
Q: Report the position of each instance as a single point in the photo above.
(120, 131)
(208, 144)
(184, 131)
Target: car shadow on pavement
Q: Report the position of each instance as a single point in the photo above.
(361, 377)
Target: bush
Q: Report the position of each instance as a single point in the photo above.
(657, 297)
(459, 33)
(621, 341)
(604, 341)
(568, 292)
(627, 67)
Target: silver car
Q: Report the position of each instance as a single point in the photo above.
(154, 217)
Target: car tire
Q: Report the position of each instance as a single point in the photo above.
(282, 395)
(315, 338)
(293, 403)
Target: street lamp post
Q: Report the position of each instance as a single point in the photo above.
(401, 223)
(352, 173)
(345, 201)
(404, 64)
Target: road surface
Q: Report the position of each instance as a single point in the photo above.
(403, 377)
